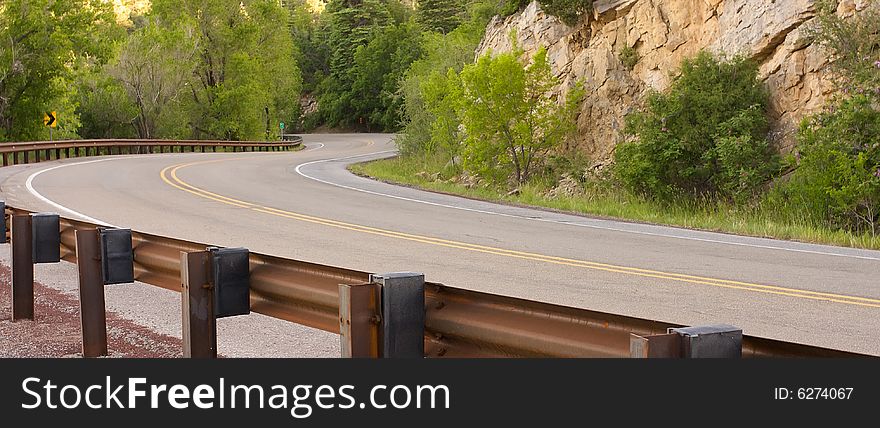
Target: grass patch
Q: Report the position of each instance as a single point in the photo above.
(602, 200)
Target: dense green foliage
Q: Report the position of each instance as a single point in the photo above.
(44, 46)
(441, 16)
(189, 69)
(310, 32)
(705, 136)
(222, 69)
(854, 43)
(153, 67)
(351, 25)
(381, 51)
(629, 57)
(428, 128)
(104, 107)
(379, 66)
(837, 175)
(569, 11)
(510, 122)
(492, 119)
(244, 78)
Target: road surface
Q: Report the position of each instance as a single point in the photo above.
(305, 205)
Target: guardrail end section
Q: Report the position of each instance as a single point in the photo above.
(711, 341)
(403, 314)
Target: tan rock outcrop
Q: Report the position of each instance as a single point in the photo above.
(663, 32)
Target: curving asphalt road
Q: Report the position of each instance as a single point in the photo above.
(306, 205)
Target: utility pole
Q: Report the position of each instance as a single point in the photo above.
(268, 124)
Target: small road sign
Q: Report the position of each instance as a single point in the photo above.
(282, 125)
(50, 119)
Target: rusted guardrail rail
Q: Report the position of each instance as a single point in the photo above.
(457, 322)
(16, 153)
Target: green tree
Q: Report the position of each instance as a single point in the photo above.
(705, 136)
(442, 52)
(310, 30)
(510, 120)
(379, 67)
(442, 95)
(400, 10)
(155, 67)
(43, 44)
(836, 180)
(352, 25)
(838, 176)
(246, 76)
(104, 107)
(569, 11)
(854, 44)
(441, 16)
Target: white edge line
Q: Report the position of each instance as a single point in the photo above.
(591, 226)
(29, 184)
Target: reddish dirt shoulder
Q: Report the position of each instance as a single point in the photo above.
(55, 331)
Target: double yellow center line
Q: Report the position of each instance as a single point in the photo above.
(169, 176)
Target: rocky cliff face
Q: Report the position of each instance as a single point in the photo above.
(663, 32)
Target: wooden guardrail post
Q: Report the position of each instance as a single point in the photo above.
(359, 320)
(36, 238)
(3, 222)
(22, 268)
(197, 294)
(104, 257)
(92, 311)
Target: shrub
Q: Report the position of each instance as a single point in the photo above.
(837, 180)
(441, 93)
(570, 162)
(569, 11)
(854, 45)
(509, 7)
(705, 137)
(510, 121)
(628, 57)
(443, 52)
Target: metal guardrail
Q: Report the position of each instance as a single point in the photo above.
(457, 322)
(17, 153)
